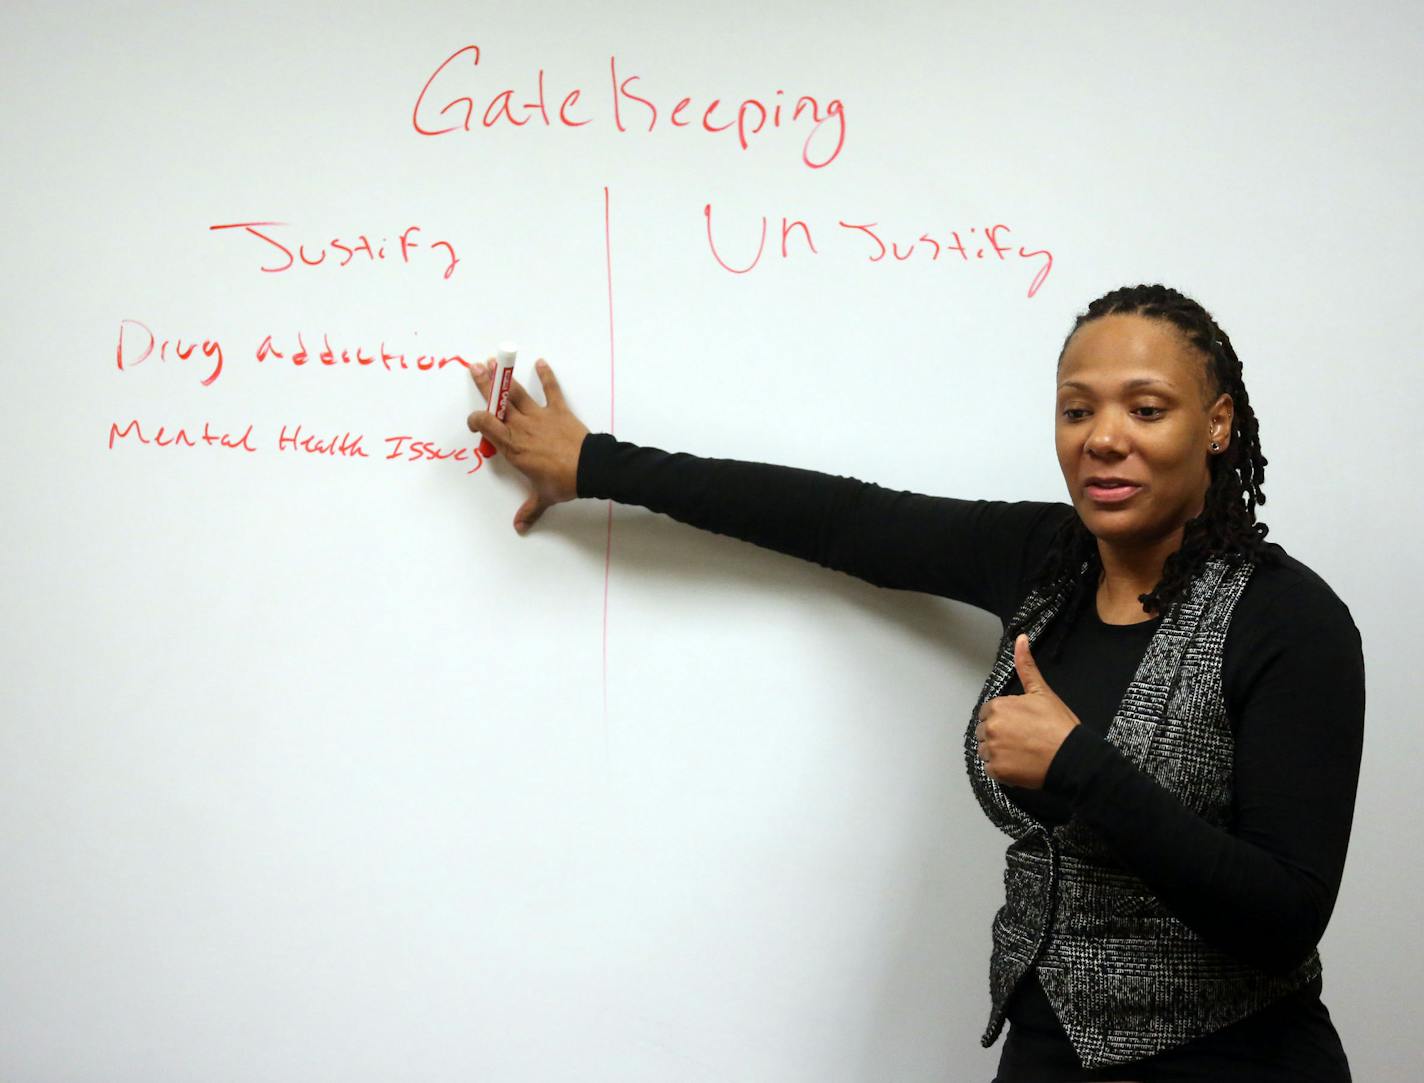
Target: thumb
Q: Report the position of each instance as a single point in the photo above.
(1029, 675)
(528, 513)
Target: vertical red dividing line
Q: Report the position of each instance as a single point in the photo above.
(608, 543)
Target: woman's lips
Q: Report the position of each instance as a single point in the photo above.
(1113, 494)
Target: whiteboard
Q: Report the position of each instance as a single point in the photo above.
(313, 769)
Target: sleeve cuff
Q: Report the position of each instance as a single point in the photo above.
(1079, 759)
(594, 465)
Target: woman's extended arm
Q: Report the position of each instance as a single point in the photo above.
(1264, 890)
(968, 550)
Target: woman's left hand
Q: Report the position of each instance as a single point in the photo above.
(1019, 735)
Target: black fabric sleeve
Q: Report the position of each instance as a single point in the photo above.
(1264, 890)
(972, 551)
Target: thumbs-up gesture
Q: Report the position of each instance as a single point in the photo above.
(1019, 735)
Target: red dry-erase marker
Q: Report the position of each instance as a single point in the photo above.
(499, 391)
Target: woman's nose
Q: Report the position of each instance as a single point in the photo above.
(1109, 434)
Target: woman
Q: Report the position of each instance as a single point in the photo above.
(1172, 728)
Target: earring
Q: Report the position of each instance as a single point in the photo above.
(1215, 446)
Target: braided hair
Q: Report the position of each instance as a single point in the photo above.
(1226, 528)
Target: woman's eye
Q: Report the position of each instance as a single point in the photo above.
(1072, 412)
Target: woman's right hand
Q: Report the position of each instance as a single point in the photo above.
(542, 442)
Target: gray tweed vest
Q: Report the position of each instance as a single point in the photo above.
(1126, 978)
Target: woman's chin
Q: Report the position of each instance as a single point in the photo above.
(1112, 525)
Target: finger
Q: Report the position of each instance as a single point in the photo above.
(980, 732)
(1029, 675)
(553, 393)
(480, 373)
(528, 513)
(486, 424)
(520, 399)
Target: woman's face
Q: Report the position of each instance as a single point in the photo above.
(1131, 405)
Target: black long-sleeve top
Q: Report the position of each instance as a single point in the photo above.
(1293, 683)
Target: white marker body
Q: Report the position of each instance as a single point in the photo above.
(499, 390)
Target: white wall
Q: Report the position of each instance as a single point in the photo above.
(313, 770)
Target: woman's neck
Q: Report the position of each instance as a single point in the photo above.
(1130, 571)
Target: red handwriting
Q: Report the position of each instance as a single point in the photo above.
(135, 431)
(986, 245)
(343, 253)
(415, 450)
(328, 355)
(136, 343)
(346, 445)
(748, 117)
